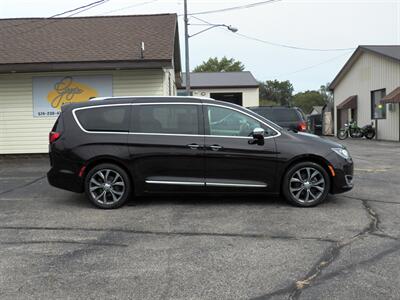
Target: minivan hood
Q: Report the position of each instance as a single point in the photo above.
(312, 138)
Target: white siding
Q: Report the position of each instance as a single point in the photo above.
(371, 72)
(250, 95)
(20, 132)
(169, 82)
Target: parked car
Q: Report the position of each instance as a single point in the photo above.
(286, 117)
(117, 147)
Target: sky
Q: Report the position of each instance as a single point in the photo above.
(312, 24)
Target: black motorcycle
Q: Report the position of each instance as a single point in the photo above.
(356, 132)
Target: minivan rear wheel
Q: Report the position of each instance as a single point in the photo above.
(107, 186)
(306, 184)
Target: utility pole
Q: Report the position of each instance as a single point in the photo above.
(187, 49)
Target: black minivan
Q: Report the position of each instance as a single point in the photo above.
(117, 147)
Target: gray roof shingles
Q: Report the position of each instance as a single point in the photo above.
(392, 51)
(87, 39)
(220, 79)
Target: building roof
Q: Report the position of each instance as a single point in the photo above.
(391, 52)
(88, 40)
(350, 102)
(318, 109)
(392, 97)
(221, 80)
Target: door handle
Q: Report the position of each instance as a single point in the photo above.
(215, 147)
(194, 146)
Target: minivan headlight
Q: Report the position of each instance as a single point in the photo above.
(342, 152)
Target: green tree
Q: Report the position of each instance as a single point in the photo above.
(306, 100)
(326, 93)
(280, 92)
(213, 64)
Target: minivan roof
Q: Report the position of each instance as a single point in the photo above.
(145, 99)
(274, 107)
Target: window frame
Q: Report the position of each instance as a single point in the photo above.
(101, 106)
(372, 99)
(207, 127)
(200, 123)
(203, 119)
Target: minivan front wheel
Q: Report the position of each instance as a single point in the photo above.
(306, 184)
(107, 186)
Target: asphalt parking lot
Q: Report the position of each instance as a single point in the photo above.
(54, 244)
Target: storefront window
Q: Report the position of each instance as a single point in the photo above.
(378, 109)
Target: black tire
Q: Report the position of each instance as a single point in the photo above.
(322, 174)
(116, 194)
(370, 135)
(342, 134)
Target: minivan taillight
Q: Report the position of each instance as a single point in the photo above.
(53, 136)
(302, 126)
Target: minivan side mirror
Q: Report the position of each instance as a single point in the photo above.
(258, 136)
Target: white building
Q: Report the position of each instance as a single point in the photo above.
(47, 62)
(235, 87)
(367, 90)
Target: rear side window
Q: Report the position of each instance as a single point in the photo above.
(166, 119)
(107, 118)
(279, 115)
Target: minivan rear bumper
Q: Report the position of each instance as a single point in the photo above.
(65, 179)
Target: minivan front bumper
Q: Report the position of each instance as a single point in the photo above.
(344, 169)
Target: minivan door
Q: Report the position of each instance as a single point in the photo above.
(234, 161)
(166, 145)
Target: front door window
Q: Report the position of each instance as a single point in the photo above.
(227, 122)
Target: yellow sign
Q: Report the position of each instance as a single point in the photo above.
(69, 91)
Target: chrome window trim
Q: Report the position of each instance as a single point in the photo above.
(247, 114)
(97, 106)
(235, 184)
(194, 135)
(165, 134)
(174, 103)
(205, 183)
(171, 134)
(195, 183)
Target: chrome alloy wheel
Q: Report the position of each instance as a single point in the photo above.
(307, 185)
(106, 186)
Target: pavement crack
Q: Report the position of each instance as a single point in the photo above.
(333, 252)
(22, 185)
(378, 256)
(170, 233)
(375, 221)
(328, 257)
(387, 236)
(101, 244)
(370, 200)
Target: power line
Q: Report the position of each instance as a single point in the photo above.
(313, 66)
(127, 7)
(93, 6)
(245, 6)
(302, 69)
(278, 44)
(290, 46)
(79, 9)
